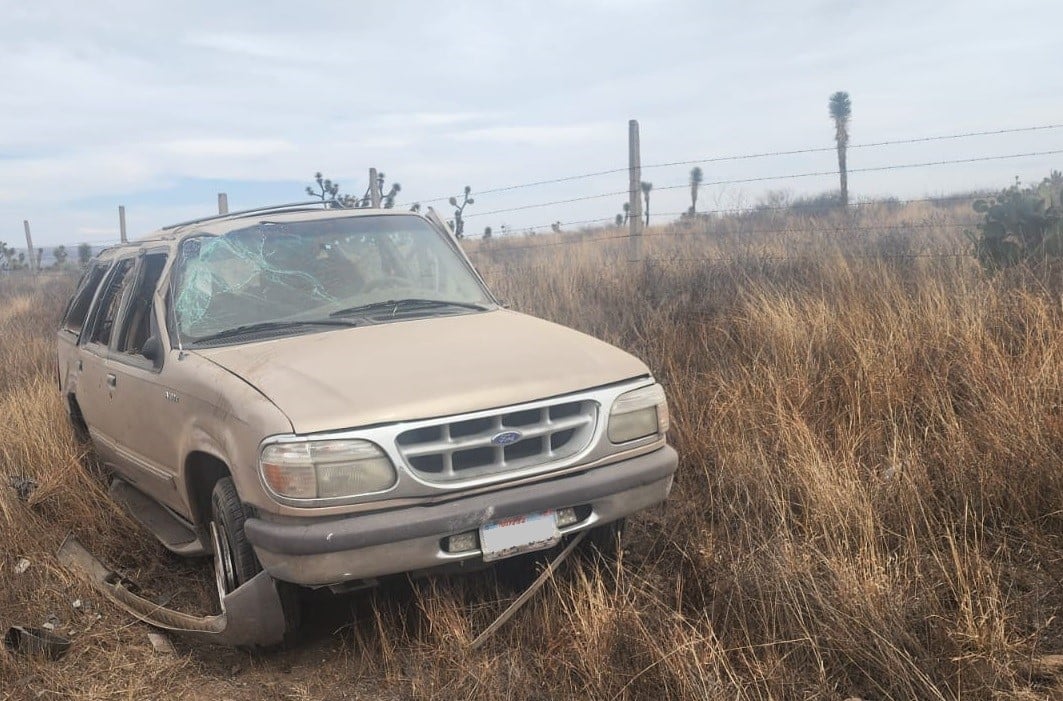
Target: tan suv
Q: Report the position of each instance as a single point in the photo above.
(321, 397)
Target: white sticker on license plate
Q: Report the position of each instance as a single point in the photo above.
(519, 534)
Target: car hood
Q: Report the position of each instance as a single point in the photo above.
(423, 368)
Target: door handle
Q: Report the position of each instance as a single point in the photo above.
(112, 380)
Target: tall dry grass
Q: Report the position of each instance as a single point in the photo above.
(869, 501)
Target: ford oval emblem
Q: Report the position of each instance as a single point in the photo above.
(506, 438)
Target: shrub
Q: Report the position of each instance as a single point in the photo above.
(1020, 225)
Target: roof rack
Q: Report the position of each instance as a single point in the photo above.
(294, 206)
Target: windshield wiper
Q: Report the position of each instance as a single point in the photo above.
(406, 304)
(245, 329)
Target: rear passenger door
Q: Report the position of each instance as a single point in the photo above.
(94, 384)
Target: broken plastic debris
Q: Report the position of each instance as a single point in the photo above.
(161, 643)
(23, 486)
(22, 565)
(251, 614)
(36, 641)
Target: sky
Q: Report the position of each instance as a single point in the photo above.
(159, 106)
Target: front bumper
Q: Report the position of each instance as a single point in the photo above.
(362, 546)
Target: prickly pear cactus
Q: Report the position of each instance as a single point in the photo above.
(1020, 225)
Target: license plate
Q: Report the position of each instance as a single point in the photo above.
(519, 534)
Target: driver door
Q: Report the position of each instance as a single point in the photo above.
(144, 410)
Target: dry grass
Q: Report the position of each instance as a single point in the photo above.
(870, 499)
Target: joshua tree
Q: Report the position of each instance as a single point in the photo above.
(840, 110)
(415, 207)
(326, 190)
(619, 220)
(627, 212)
(329, 193)
(695, 183)
(459, 222)
(556, 227)
(387, 199)
(60, 256)
(646, 187)
(84, 254)
(487, 232)
(6, 254)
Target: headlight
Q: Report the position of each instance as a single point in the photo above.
(637, 414)
(326, 469)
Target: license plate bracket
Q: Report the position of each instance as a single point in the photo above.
(519, 534)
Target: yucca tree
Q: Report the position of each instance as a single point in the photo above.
(11, 256)
(326, 190)
(387, 197)
(695, 182)
(459, 210)
(841, 109)
(646, 187)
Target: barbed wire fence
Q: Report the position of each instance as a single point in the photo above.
(513, 248)
(607, 224)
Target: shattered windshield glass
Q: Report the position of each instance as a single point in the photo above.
(304, 271)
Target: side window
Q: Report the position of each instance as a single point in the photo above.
(110, 300)
(135, 327)
(82, 299)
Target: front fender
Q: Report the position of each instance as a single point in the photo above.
(225, 417)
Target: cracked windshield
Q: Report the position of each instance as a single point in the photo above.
(296, 275)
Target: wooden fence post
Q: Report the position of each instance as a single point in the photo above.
(223, 203)
(374, 188)
(121, 222)
(634, 160)
(31, 259)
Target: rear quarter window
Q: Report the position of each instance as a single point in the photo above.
(79, 305)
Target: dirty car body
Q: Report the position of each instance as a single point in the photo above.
(333, 396)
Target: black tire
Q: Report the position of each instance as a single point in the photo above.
(605, 541)
(237, 557)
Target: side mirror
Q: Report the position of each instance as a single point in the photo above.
(152, 349)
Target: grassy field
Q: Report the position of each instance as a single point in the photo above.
(869, 501)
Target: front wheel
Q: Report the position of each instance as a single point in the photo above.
(236, 560)
(234, 557)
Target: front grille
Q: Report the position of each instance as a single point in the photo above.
(458, 449)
